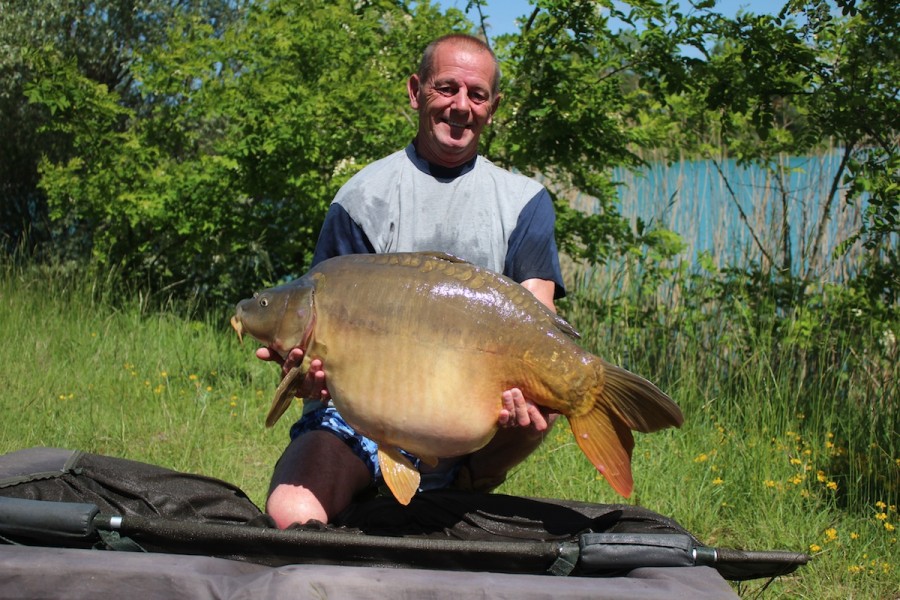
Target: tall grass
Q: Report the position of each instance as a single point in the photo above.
(788, 376)
(765, 460)
(786, 444)
(89, 366)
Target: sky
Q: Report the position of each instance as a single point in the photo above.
(502, 14)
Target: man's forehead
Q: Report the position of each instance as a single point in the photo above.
(457, 62)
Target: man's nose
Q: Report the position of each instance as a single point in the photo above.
(461, 99)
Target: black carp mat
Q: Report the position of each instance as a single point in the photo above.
(100, 522)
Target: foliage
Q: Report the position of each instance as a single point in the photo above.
(573, 110)
(101, 38)
(789, 84)
(220, 178)
(196, 147)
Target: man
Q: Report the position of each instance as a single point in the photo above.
(435, 195)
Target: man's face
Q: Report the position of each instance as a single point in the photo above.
(454, 105)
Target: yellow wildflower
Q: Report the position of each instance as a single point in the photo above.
(701, 458)
(832, 485)
(880, 505)
(830, 534)
(854, 535)
(881, 516)
(796, 461)
(815, 548)
(718, 481)
(820, 475)
(769, 483)
(888, 526)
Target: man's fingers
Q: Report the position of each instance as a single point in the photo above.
(536, 418)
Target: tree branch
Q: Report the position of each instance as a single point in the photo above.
(742, 213)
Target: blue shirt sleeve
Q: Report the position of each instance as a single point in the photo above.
(340, 235)
(532, 251)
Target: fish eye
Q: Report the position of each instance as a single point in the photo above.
(264, 302)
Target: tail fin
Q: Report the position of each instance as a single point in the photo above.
(607, 442)
(640, 404)
(625, 402)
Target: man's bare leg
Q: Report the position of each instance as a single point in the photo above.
(315, 478)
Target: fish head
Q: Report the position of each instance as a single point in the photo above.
(281, 317)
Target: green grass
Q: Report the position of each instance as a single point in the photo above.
(762, 462)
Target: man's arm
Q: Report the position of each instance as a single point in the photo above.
(543, 290)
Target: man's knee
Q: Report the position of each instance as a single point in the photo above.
(315, 478)
(288, 504)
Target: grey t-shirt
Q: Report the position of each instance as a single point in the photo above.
(479, 212)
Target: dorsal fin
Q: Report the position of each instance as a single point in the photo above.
(444, 256)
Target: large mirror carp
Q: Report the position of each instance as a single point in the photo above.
(419, 347)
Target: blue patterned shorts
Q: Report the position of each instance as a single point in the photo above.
(327, 418)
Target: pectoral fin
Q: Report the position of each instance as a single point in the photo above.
(399, 474)
(284, 394)
(431, 461)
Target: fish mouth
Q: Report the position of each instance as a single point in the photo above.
(238, 326)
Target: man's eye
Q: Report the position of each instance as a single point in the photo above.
(445, 90)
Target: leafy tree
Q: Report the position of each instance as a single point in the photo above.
(101, 39)
(205, 155)
(792, 84)
(219, 178)
(567, 116)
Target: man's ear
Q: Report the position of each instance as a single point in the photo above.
(494, 104)
(412, 88)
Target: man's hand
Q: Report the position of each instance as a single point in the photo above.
(519, 412)
(313, 387)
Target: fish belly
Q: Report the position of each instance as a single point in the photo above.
(418, 358)
(426, 400)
